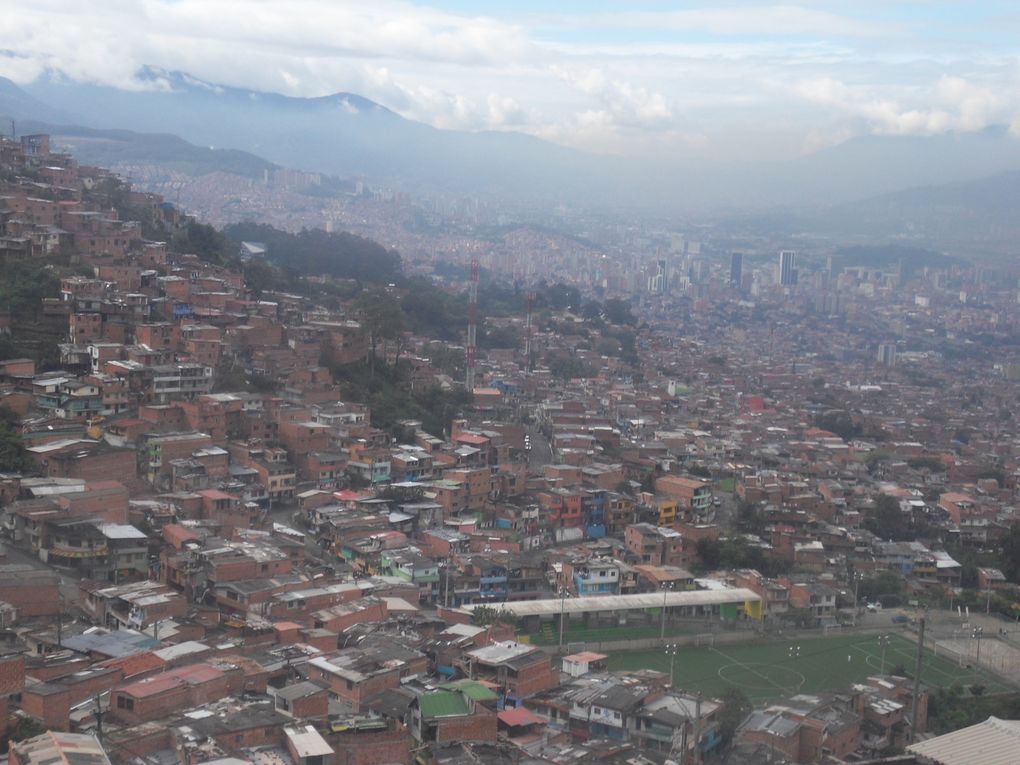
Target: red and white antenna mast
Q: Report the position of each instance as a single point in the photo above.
(472, 333)
(528, 332)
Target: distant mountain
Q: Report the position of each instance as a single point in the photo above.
(345, 134)
(971, 216)
(107, 148)
(880, 164)
(16, 104)
(342, 134)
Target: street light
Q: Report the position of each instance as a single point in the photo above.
(672, 649)
(978, 632)
(883, 641)
(793, 651)
(666, 587)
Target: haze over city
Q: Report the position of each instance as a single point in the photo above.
(517, 383)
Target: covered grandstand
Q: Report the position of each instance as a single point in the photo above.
(724, 604)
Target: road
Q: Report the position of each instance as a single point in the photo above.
(541, 451)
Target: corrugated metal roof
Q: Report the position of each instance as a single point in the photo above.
(992, 742)
(442, 704)
(625, 602)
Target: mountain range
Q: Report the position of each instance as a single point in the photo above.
(201, 125)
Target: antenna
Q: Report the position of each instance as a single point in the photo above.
(528, 330)
(472, 333)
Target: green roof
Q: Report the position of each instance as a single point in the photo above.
(473, 689)
(443, 704)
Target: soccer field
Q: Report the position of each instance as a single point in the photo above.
(771, 670)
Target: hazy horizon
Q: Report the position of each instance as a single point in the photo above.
(736, 81)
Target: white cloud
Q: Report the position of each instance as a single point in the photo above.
(624, 81)
(624, 103)
(951, 103)
(782, 20)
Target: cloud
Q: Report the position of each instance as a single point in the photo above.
(624, 103)
(962, 105)
(780, 20)
(627, 81)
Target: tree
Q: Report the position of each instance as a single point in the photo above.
(749, 519)
(736, 706)
(201, 239)
(14, 456)
(483, 616)
(839, 422)
(618, 311)
(560, 296)
(1010, 552)
(570, 368)
(381, 318)
(875, 587)
(887, 521)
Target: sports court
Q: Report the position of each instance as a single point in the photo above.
(771, 670)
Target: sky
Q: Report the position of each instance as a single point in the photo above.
(720, 79)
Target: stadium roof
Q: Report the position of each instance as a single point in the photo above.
(992, 742)
(637, 602)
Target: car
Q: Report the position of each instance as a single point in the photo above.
(901, 619)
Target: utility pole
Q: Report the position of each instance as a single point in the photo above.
(99, 714)
(446, 571)
(697, 729)
(917, 682)
(563, 596)
(857, 583)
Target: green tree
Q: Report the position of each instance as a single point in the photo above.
(736, 706)
(887, 521)
(561, 297)
(570, 367)
(618, 311)
(201, 239)
(839, 422)
(874, 587)
(1010, 554)
(381, 317)
(14, 458)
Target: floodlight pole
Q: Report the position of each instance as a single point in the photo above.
(666, 587)
(563, 597)
(912, 733)
(671, 651)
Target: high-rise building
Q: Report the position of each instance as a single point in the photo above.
(887, 354)
(736, 268)
(787, 268)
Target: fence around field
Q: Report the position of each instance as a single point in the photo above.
(997, 650)
(610, 639)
